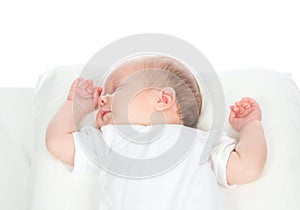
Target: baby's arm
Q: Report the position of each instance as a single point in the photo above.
(82, 99)
(246, 162)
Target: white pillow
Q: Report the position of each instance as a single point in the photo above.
(279, 98)
(15, 146)
(51, 185)
(277, 188)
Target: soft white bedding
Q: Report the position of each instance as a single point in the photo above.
(52, 186)
(16, 146)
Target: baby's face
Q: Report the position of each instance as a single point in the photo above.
(124, 100)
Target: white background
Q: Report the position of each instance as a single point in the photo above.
(39, 35)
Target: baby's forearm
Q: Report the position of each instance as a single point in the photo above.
(252, 148)
(65, 121)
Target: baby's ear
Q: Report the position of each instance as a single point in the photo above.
(166, 98)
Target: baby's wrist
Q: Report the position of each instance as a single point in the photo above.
(250, 123)
(76, 108)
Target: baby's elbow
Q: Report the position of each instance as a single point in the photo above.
(252, 175)
(255, 169)
(244, 177)
(50, 145)
(241, 171)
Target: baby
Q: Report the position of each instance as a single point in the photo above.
(157, 90)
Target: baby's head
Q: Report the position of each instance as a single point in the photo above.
(149, 90)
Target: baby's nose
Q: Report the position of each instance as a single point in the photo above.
(103, 100)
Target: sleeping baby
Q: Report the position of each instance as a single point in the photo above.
(142, 94)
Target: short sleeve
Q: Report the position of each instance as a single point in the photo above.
(219, 157)
(82, 163)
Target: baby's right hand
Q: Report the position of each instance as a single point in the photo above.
(243, 112)
(84, 94)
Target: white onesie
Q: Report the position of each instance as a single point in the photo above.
(187, 186)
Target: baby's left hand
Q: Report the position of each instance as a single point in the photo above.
(243, 112)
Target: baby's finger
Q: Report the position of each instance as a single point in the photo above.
(73, 88)
(234, 109)
(76, 82)
(246, 112)
(250, 100)
(95, 98)
(90, 82)
(238, 103)
(83, 93)
(83, 84)
(246, 105)
(91, 87)
(247, 99)
(232, 115)
(241, 109)
(255, 105)
(99, 89)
